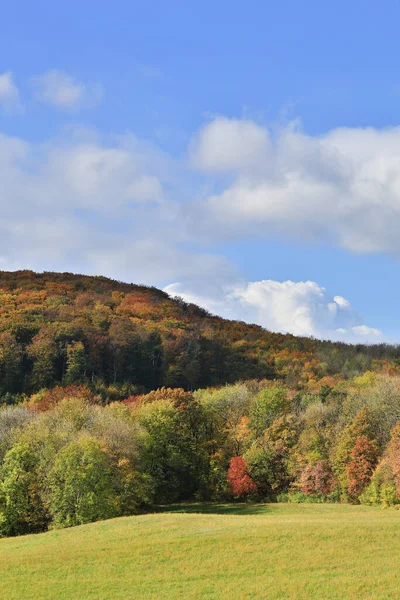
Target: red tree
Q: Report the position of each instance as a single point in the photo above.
(393, 456)
(239, 480)
(363, 460)
(316, 479)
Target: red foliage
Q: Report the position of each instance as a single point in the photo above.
(393, 456)
(363, 457)
(48, 399)
(316, 479)
(239, 480)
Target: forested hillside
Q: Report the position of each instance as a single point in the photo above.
(115, 397)
(122, 339)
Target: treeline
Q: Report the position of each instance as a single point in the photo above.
(121, 339)
(67, 460)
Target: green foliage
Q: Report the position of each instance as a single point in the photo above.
(382, 488)
(88, 360)
(131, 489)
(363, 425)
(174, 453)
(261, 464)
(81, 485)
(10, 363)
(43, 352)
(300, 498)
(73, 329)
(21, 505)
(76, 363)
(268, 404)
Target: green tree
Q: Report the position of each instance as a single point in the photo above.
(43, 351)
(76, 363)
(81, 484)
(174, 450)
(21, 507)
(10, 363)
(363, 425)
(269, 404)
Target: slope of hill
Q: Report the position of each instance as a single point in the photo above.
(264, 552)
(60, 328)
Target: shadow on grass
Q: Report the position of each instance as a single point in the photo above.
(209, 508)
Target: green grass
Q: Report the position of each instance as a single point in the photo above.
(285, 551)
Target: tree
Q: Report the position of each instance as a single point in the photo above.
(12, 419)
(316, 479)
(268, 457)
(81, 484)
(261, 463)
(132, 488)
(185, 365)
(76, 363)
(43, 351)
(226, 412)
(385, 482)
(21, 507)
(269, 404)
(393, 457)
(363, 425)
(239, 480)
(363, 459)
(174, 453)
(124, 350)
(10, 363)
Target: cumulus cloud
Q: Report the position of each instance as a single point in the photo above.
(10, 101)
(228, 145)
(121, 207)
(97, 205)
(303, 308)
(77, 173)
(57, 88)
(343, 187)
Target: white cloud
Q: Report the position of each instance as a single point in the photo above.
(302, 308)
(101, 177)
(121, 207)
(96, 206)
(9, 96)
(155, 260)
(342, 187)
(59, 89)
(226, 145)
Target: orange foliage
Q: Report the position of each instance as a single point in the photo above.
(48, 399)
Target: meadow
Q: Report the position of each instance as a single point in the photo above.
(248, 552)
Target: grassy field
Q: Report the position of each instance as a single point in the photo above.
(256, 552)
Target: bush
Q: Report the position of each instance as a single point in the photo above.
(300, 498)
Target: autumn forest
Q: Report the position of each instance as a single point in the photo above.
(116, 398)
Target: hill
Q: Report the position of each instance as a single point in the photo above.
(263, 551)
(61, 328)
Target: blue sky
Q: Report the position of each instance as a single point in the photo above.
(218, 149)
